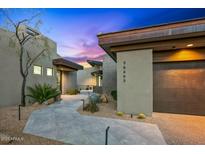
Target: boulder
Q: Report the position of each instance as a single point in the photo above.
(103, 98)
(141, 116)
(50, 101)
(35, 104)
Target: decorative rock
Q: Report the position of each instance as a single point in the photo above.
(141, 116)
(119, 113)
(50, 101)
(57, 98)
(103, 98)
(45, 102)
(35, 104)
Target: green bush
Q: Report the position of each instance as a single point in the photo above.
(73, 92)
(43, 92)
(114, 94)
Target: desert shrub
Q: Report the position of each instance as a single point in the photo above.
(72, 91)
(92, 107)
(41, 93)
(114, 94)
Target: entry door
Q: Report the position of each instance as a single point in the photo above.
(59, 81)
(179, 87)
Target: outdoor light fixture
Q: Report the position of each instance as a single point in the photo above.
(190, 45)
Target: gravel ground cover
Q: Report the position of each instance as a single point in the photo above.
(176, 128)
(11, 128)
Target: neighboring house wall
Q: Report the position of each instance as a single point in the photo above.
(135, 82)
(69, 81)
(84, 77)
(10, 78)
(109, 80)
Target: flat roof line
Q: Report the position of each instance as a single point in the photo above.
(152, 26)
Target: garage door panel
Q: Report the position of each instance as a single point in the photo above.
(179, 87)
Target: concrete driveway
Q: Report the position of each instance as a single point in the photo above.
(63, 123)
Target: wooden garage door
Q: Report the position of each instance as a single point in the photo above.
(179, 87)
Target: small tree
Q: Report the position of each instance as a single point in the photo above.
(24, 34)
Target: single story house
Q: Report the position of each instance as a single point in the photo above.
(91, 78)
(160, 68)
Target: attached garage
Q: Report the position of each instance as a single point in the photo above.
(179, 87)
(160, 68)
(179, 81)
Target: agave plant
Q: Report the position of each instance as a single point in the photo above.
(43, 92)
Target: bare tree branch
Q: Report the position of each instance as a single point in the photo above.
(29, 58)
(33, 60)
(7, 16)
(25, 39)
(34, 16)
(22, 38)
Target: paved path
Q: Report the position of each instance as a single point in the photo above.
(63, 123)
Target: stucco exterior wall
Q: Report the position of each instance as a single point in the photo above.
(109, 80)
(10, 78)
(85, 78)
(135, 82)
(69, 80)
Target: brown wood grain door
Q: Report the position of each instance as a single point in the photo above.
(179, 87)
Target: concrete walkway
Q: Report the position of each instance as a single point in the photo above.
(63, 123)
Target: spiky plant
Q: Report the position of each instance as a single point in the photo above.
(43, 92)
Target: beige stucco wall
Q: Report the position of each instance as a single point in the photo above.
(10, 78)
(69, 81)
(135, 95)
(109, 80)
(85, 78)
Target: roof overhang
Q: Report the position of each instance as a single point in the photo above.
(161, 37)
(97, 73)
(66, 65)
(94, 63)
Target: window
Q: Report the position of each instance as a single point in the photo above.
(49, 71)
(37, 70)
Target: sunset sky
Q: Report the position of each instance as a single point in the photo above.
(75, 30)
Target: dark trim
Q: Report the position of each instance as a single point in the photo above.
(178, 61)
(112, 55)
(61, 82)
(95, 63)
(98, 73)
(67, 63)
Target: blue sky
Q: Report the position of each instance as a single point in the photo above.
(75, 30)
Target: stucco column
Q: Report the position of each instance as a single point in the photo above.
(135, 81)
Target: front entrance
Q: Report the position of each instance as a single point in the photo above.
(59, 81)
(179, 87)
